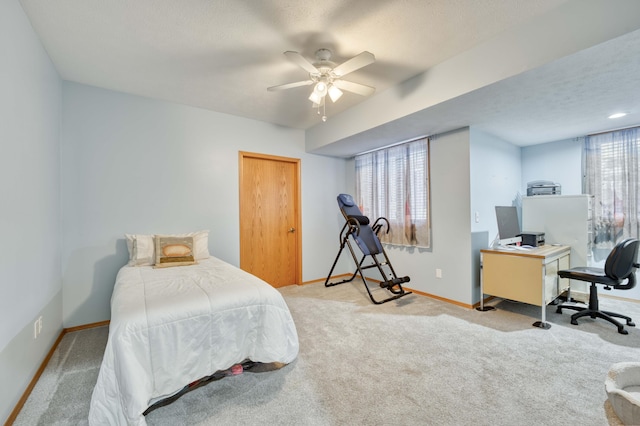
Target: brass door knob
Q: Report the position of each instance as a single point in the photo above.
(292, 229)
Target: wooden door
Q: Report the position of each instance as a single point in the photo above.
(270, 239)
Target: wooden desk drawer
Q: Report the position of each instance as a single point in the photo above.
(513, 277)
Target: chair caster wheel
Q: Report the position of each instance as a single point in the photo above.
(631, 323)
(622, 331)
(558, 310)
(574, 322)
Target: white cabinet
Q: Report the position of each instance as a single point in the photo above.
(567, 220)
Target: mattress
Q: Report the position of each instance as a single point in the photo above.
(172, 326)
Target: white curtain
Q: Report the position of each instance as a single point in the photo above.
(394, 183)
(611, 176)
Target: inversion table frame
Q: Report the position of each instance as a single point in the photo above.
(366, 237)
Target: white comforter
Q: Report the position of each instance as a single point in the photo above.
(172, 326)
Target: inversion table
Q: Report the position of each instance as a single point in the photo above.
(357, 227)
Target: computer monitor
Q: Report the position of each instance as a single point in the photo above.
(508, 225)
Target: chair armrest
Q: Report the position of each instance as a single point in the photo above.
(377, 225)
(631, 283)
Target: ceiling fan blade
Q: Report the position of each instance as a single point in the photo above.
(299, 60)
(363, 59)
(290, 85)
(350, 86)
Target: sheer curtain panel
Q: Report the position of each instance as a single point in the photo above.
(394, 183)
(611, 176)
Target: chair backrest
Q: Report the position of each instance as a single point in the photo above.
(367, 240)
(348, 206)
(621, 262)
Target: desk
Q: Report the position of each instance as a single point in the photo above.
(528, 276)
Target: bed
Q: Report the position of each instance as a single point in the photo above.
(172, 326)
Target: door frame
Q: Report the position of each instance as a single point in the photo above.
(297, 202)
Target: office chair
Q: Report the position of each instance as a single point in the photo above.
(365, 235)
(619, 273)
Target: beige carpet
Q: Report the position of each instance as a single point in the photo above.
(413, 361)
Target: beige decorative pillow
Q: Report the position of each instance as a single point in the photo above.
(174, 251)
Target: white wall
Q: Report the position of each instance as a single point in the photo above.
(495, 179)
(451, 233)
(30, 277)
(560, 162)
(136, 165)
(495, 170)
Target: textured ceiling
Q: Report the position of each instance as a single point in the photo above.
(569, 97)
(222, 55)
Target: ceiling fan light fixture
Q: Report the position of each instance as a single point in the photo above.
(320, 89)
(326, 77)
(334, 93)
(316, 98)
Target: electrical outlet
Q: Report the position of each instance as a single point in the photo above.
(37, 327)
(438, 273)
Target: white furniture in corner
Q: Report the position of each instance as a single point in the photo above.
(567, 220)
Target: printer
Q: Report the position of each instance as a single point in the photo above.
(543, 187)
(533, 239)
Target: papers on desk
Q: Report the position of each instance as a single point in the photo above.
(519, 248)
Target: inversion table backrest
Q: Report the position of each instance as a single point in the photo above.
(367, 240)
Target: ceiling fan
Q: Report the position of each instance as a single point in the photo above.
(327, 76)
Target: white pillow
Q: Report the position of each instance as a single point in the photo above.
(142, 251)
(200, 244)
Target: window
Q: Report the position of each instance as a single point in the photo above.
(394, 183)
(611, 176)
